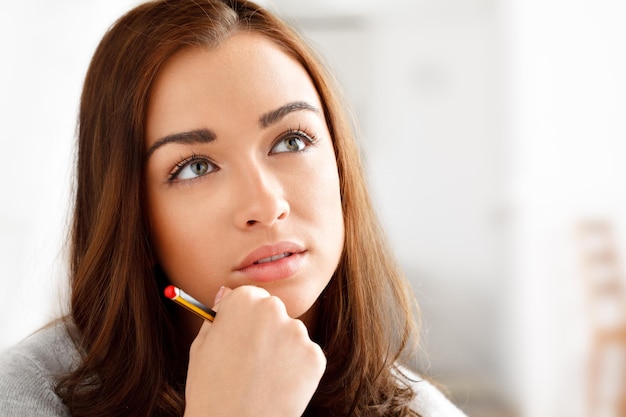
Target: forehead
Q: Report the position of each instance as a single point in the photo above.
(246, 75)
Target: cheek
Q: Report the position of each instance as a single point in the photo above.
(186, 245)
(167, 224)
(182, 231)
(320, 199)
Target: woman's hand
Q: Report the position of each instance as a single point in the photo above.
(253, 360)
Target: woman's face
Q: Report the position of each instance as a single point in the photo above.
(241, 176)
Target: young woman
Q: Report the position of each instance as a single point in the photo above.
(215, 155)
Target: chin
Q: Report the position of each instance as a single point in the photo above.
(306, 312)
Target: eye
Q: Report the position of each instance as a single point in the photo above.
(292, 141)
(190, 168)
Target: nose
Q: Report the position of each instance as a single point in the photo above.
(260, 199)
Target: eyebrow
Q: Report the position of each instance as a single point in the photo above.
(206, 135)
(191, 137)
(275, 116)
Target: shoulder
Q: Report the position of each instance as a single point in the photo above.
(429, 401)
(29, 371)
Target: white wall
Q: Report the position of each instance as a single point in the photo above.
(568, 100)
(46, 47)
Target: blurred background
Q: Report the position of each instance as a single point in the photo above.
(495, 143)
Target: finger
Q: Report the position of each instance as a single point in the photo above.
(223, 291)
(245, 291)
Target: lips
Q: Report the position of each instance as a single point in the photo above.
(272, 262)
(273, 258)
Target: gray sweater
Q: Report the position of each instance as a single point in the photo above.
(28, 371)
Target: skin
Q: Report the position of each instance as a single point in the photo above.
(258, 178)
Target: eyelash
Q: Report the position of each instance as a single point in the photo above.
(172, 177)
(301, 132)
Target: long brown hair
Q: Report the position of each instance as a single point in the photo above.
(132, 363)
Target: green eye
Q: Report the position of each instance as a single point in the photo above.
(191, 168)
(199, 168)
(294, 141)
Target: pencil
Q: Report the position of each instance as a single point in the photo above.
(181, 297)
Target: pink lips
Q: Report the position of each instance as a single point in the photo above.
(272, 262)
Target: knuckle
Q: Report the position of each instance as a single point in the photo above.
(311, 351)
(251, 292)
(316, 356)
(300, 328)
(274, 305)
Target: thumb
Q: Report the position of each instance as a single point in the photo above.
(221, 293)
(206, 326)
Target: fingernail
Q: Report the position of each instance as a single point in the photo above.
(219, 295)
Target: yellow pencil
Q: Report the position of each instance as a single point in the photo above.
(181, 297)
